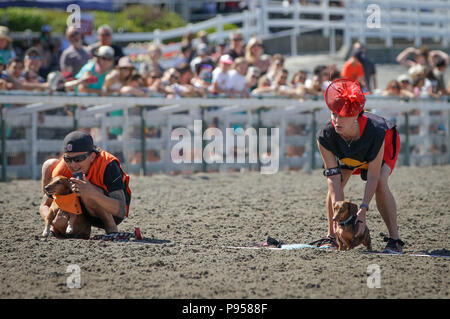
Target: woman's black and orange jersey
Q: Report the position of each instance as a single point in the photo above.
(356, 156)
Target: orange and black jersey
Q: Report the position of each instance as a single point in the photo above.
(358, 154)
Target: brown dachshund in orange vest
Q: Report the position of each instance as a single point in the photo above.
(344, 213)
(64, 199)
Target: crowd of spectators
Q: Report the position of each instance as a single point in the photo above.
(234, 69)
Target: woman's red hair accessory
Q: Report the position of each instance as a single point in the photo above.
(345, 97)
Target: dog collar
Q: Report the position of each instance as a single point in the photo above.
(69, 203)
(350, 220)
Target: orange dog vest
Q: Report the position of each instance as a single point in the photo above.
(69, 203)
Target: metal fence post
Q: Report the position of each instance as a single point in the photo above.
(313, 140)
(406, 160)
(143, 144)
(75, 118)
(204, 125)
(4, 157)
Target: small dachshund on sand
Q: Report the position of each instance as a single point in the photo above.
(345, 215)
(65, 199)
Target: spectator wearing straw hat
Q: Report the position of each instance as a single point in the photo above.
(6, 51)
(104, 34)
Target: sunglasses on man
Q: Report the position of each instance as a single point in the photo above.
(76, 159)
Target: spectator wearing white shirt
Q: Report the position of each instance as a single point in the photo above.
(221, 78)
(238, 77)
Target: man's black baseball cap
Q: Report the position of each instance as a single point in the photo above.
(78, 141)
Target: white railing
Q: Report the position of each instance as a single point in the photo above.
(363, 19)
(425, 142)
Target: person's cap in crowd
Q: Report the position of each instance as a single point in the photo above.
(32, 50)
(78, 141)
(125, 62)
(227, 59)
(105, 51)
(403, 77)
(46, 28)
(253, 70)
(202, 48)
(345, 97)
(4, 31)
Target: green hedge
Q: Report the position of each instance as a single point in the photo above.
(135, 18)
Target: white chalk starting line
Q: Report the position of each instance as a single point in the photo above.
(301, 246)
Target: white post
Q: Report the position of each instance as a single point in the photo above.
(296, 29)
(265, 15)
(389, 42)
(446, 35)
(362, 23)
(259, 21)
(157, 37)
(418, 35)
(326, 18)
(333, 42)
(219, 29)
(347, 30)
(245, 25)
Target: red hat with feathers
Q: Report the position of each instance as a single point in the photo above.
(345, 97)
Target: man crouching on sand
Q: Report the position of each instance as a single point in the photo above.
(103, 189)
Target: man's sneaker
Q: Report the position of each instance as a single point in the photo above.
(329, 241)
(393, 246)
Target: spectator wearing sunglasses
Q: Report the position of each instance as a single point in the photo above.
(30, 78)
(254, 55)
(97, 68)
(103, 188)
(104, 34)
(237, 48)
(75, 56)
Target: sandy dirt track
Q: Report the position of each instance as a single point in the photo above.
(189, 219)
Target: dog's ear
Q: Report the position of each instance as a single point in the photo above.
(352, 208)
